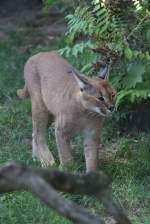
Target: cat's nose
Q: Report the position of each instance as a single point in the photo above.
(111, 108)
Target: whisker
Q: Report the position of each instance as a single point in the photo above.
(93, 114)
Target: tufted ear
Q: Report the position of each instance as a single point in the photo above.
(81, 80)
(103, 73)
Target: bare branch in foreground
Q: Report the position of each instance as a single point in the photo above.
(42, 182)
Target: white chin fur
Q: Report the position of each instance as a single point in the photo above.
(98, 110)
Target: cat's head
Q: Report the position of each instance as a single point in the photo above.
(96, 94)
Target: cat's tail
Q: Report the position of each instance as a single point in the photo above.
(23, 93)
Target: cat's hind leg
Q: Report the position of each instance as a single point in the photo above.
(40, 119)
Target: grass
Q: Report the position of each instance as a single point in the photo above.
(126, 161)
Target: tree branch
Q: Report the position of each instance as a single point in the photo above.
(42, 182)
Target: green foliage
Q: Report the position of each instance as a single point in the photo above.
(22, 207)
(16, 131)
(62, 6)
(126, 159)
(49, 2)
(121, 26)
(76, 49)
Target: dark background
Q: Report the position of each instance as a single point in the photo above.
(11, 7)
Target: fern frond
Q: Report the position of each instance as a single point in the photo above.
(76, 49)
(117, 25)
(81, 22)
(132, 95)
(137, 4)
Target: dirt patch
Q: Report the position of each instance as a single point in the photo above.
(16, 7)
(29, 16)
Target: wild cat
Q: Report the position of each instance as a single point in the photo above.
(76, 103)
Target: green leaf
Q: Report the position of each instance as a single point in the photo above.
(147, 56)
(120, 96)
(148, 36)
(128, 53)
(136, 53)
(132, 95)
(134, 75)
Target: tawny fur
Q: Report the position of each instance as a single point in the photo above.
(56, 95)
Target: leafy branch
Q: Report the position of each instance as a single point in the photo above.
(121, 26)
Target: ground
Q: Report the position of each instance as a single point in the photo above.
(126, 159)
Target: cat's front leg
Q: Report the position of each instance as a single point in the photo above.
(63, 145)
(91, 147)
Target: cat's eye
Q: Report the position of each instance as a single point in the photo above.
(101, 98)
